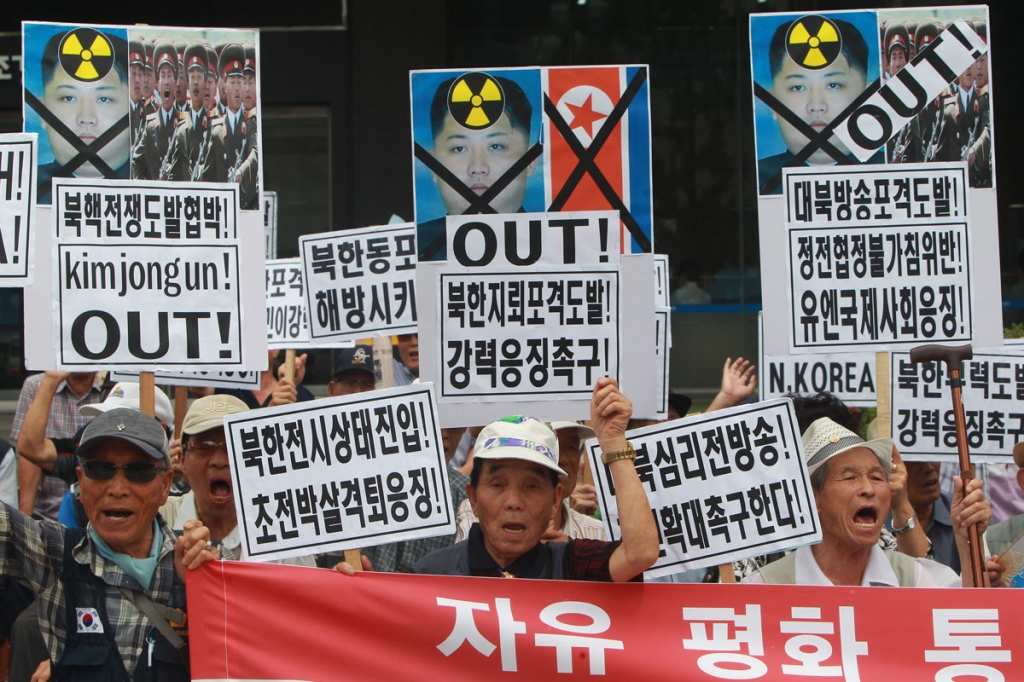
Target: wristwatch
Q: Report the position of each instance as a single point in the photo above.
(627, 453)
(909, 526)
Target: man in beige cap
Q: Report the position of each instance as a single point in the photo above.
(850, 478)
(206, 465)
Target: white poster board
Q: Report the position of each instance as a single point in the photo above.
(339, 473)
(723, 486)
(270, 223)
(287, 318)
(17, 208)
(246, 379)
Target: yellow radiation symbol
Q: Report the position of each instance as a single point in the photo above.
(86, 54)
(476, 100)
(814, 42)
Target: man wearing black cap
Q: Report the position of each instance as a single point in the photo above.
(151, 158)
(198, 145)
(906, 146)
(353, 372)
(111, 598)
(181, 85)
(136, 89)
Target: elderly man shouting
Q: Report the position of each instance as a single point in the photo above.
(850, 477)
(515, 487)
(111, 598)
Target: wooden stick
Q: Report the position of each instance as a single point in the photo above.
(884, 400)
(147, 400)
(180, 408)
(726, 574)
(383, 362)
(352, 557)
(288, 369)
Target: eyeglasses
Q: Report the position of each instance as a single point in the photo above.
(362, 383)
(136, 472)
(205, 447)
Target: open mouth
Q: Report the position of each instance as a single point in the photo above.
(220, 491)
(514, 528)
(117, 514)
(866, 517)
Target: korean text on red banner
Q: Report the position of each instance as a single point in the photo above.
(723, 486)
(339, 473)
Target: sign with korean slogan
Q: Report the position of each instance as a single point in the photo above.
(17, 208)
(848, 376)
(360, 282)
(923, 426)
(529, 308)
(151, 103)
(147, 276)
(270, 223)
(886, 99)
(532, 140)
(287, 323)
(878, 258)
(339, 473)
(202, 379)
(723, 486)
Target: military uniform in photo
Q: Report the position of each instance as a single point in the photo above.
(152, 156)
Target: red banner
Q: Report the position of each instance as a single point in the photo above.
(274, 622)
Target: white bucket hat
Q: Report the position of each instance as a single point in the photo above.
(126, 394)
(824, 439)
(516, 437)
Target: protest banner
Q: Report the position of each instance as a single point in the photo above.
(723, 486)
(17, 208)
(878, 258)
(339, 473)
(360, 282)
(155, 113)
(203, 379)
(453, 629)
(848, 376)
(842, 93)
(287, 319)
(270, 223)
(529, 310)
(923, 425)
(596, 151)
(146, 276)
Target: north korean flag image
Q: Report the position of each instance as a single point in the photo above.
(89, 620)
(607, 110)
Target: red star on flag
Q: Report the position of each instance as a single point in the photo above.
(584, 116)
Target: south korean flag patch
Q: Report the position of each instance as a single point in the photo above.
(89, 620)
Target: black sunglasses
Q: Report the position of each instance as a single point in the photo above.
(136, 472)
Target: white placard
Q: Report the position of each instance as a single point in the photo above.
(361, 282)
(662, 285)
(878, 258)
(270, 223)
(849, 376)
(524, 239)
(663, 340)
(723, 486)
(339, 473)
(923, 425)
(287, 319)
(146, 276)
(513, 334)
(17, 208)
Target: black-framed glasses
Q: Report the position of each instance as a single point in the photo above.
(205, 447)
(136, 472)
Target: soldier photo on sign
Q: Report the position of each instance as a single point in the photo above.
(146, 103)
(808, 71)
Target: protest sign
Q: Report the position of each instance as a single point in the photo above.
(923, 425)
(551, 630)
(817, 86)
(360, 282)
(287, 319)
(662, 286)
(723, 486)
(849, 376)
(595, 125)
(17, 208)
(663, 341)
(146, 276)
(270, 223)
(244, 379)
(162, 104)
(529, 310)
(877, 257)
(339, 473)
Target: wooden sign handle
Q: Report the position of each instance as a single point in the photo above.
(180, 408)
(147, 399)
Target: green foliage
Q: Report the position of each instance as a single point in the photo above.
(1015, 331)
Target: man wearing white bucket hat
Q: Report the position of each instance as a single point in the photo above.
(850, 478)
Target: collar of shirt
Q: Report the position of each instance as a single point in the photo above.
(231, 543)
(877, 572)
(64, 387)
(111, 573)
(534, 564)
